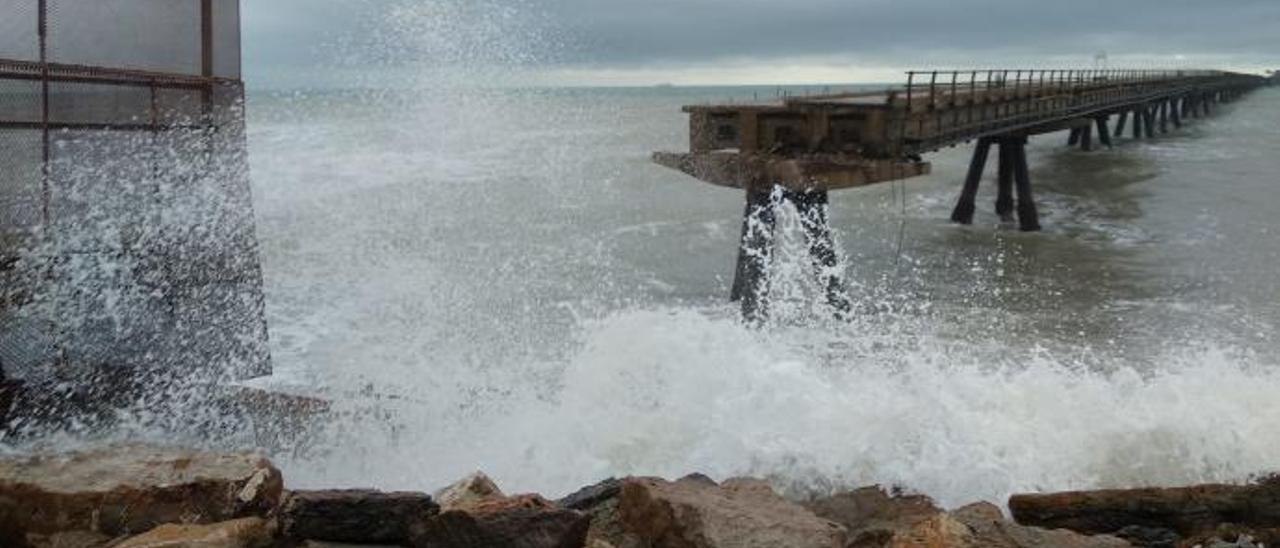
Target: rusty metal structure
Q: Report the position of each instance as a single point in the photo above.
(127, 236)
(797, 149)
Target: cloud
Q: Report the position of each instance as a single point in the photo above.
(652, 36)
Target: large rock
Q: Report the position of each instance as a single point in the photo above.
(871, 515)
(695, 512)
(524, 521)
(70, 539)
(469, 490)
(356, 516)
(876, 519)
(1188, 511)
(241, 533)
(123, 490)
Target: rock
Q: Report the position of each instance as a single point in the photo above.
(124, 490)
(525, 521)
(357, 516)
(697, 513)
(323, 544)
(1149, 537)
(69, 539)
(470, 490)
(1189, 511)
(592, 495)
(987, 527)
(876, 519)
(242, 533)
(870, 513)
(1228, 535)
(600, 502)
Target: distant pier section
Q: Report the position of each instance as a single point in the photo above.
(797, 149)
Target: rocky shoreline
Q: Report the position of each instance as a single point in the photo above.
(139, 496)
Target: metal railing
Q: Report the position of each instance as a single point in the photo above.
(970, 103)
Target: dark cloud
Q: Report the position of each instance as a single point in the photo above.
(619, 34)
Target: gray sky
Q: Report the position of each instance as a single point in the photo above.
(741, 41)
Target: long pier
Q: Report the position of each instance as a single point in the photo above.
(797, 149)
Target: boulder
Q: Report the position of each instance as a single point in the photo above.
(69, 539)
(985, 526)
(470, 490)
(126, 490)
(524, 521)
(870, 513)
(241, 533)
(695, 512)
(1188, 511)
(878, 519)
(355, 516)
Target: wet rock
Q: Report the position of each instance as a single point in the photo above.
(870, 513)
(1228, 535)
(125, 490)
(357, 516)
(469, 490)
(1149, 537)
(242, 533)
(697, 513)
(985, 526)
(69, 539)
(878, 519)
(600, 502)
(592, 495)
(1189, 511)
(524, 521)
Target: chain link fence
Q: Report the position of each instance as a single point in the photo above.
(126, 225)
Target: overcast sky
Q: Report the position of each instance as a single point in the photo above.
(621, 42)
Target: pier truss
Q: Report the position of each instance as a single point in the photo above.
(797, 149)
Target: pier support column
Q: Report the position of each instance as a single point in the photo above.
(1175, 112)
(965, 208)
(1124, 118)
(1137, 123)
(1028, 216)
(759, 227)
(1074, 139)
(751, 281)
(1164, 117)
(1086, 139)
(1004, 196)
(1104, 130)
(1149, 121)
(813, 208)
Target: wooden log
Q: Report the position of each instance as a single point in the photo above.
(965, 208)
(1028, 216)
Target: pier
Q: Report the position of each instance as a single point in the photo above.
(797, 149)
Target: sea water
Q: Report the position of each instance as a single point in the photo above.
(497, 278)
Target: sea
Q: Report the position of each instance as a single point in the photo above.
(500, 279)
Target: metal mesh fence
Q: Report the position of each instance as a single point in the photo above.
(126, 225)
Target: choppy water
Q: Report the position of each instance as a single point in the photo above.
(500, 280)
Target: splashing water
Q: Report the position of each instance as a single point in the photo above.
(493, 278)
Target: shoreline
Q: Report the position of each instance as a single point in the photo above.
(152, 496)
